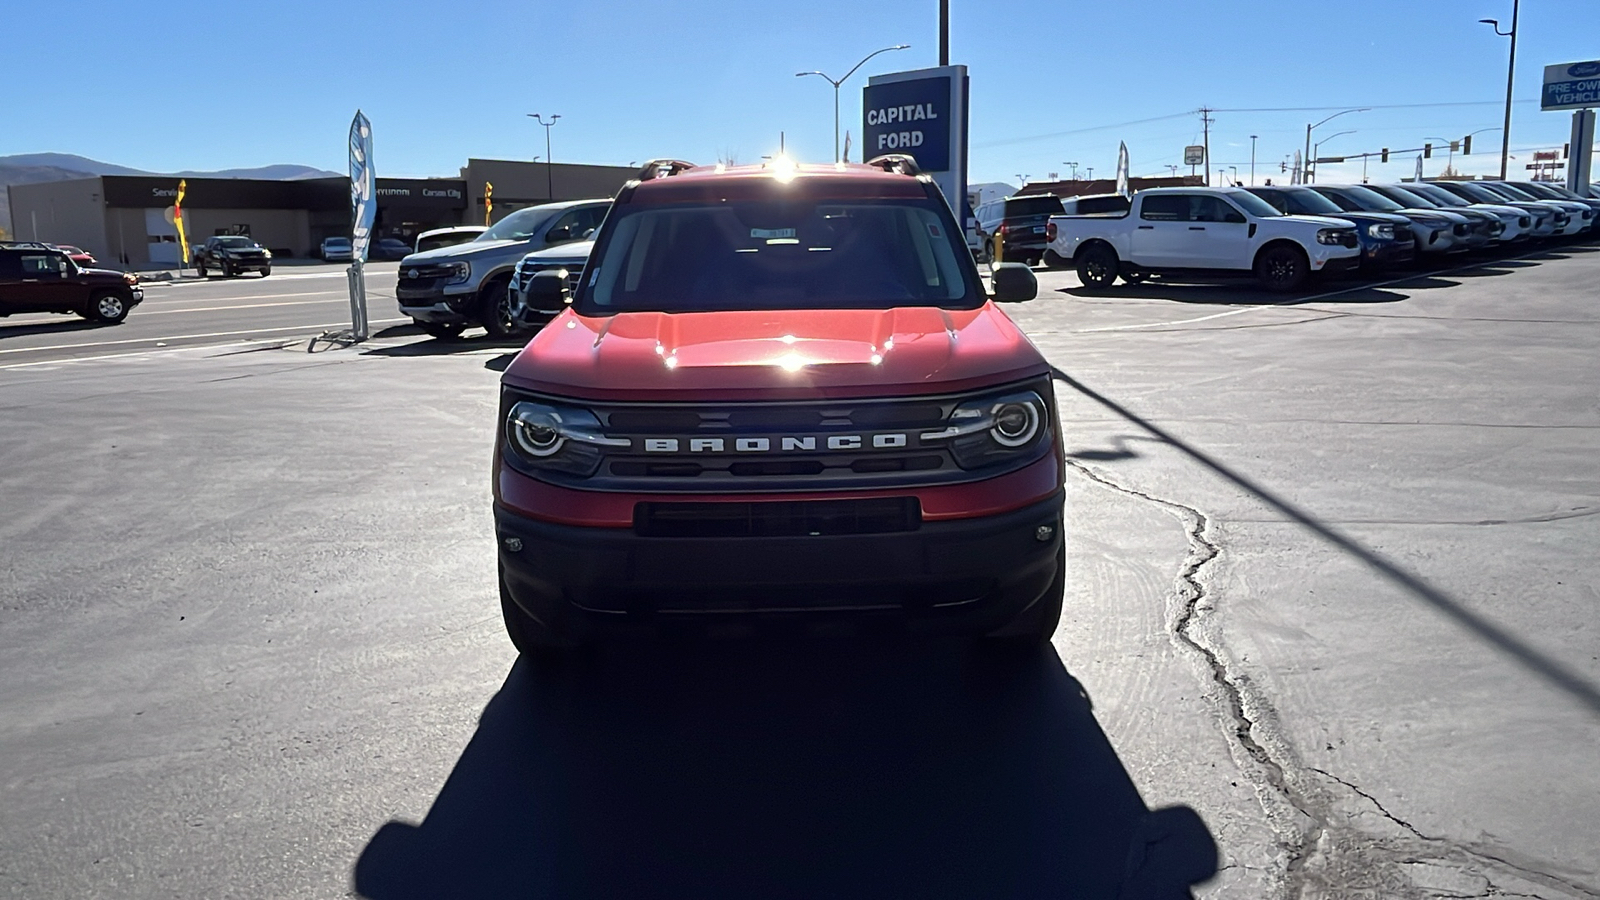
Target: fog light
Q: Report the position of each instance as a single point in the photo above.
(514, 545)
(1044, 533)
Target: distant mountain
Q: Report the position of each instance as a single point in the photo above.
(31, 168)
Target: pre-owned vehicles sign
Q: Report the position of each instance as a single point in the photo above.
(1571, 86)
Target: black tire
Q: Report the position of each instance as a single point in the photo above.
(441, 330)
(494, 308)
(107, 308)
(1035, 627)
(227, 269)
(1282, 268)
(1054, 260)
(1097, 266)
(267, 271)
(200, 268)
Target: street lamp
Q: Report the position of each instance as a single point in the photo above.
(549, 182)
(1022, 182)
(1316, 149)
(1450, 146)
(1074, 169)
(1174, 169)
(1511, 71)
(1235, 175)
(842, 81)
(1253, 160)
(1319, 124)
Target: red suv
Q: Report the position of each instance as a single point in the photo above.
(782, 395)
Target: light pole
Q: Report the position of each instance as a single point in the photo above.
(1091, 173)
(1174, 169)
(1022, 182)
(549, 182)
(1309, 128)
(1511, 71)
(1253, 160)
(842, 81)
(1074, 169)
(1235, 170)
(1316, 149)
(1450, 146)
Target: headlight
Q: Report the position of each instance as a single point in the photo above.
(544, 436)
(995, 429)
(1381, 230)
(459, 272)
(265, 253)
(1330, 236)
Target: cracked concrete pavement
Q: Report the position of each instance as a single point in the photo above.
(1333, 584)
(1403, 665)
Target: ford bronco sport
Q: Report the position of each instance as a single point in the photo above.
(780, 395)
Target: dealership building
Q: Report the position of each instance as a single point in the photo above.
(129, 219)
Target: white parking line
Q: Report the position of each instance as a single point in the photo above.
(247, 297)
(304, 275)
(187, 337)
(168, 312)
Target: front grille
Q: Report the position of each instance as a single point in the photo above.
(1402, 234)
(526, 270)
(425, 272)
(788, 518)
(1461, 229)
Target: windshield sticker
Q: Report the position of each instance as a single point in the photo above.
(772, 233)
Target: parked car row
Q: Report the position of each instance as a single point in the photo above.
(1286, 234)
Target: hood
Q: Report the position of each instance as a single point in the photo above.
(1372, 218)
(101, 273)
(1321, 221)
(467, 251)
(1499, 209)
(1447, 215)
(563, 252)
(773, 355)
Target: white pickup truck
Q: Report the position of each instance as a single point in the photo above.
(1205, 232)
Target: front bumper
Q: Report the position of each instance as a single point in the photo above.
(1382, 254)
(962, 576)
(435, 305)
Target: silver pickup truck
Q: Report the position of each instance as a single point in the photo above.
(449, 289)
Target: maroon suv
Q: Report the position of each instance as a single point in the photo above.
(39, 278)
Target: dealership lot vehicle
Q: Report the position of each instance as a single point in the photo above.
(1020, 223)
(78, 255)
(1203, 232)
(1480, 228)
(781, 394)
(531, 306)
(337, 249)
(231, 255)
(1580, 214)
(38, 279)
(1547, 219)
(447, 237)
(450, 288)
(1515, 224)
(390, 248)
(1386, 238)
(1437, 231)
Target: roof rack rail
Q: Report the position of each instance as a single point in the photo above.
(30, 245)
(663, 168)
(896, 163)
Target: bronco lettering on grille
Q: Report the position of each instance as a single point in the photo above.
(777, 444)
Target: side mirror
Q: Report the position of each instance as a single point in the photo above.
(558, 235)
(546, 292)
(1013, 283)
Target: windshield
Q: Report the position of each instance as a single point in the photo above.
(1043, 205)
(1475, 192)
(235, 242)
(1506, 191)
(781, 254)
(1439, 196)
(1368, 199)
(1538, 190)
(1252, 204)
(521, 225)
(1405, 198)
(336, 242)
(1310, 203)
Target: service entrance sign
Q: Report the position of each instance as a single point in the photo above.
(1571, 86)
(923, 114)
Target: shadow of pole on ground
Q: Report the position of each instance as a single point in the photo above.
(817, 769)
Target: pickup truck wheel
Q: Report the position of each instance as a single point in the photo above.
(227, 270)
(1054, 260)
(1097, 267)
(1282, 268)
(495, 306)
(266, 271)
(107, 308)
(200, 268)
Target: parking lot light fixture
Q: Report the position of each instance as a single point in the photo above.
(1511, 72)
(1253, 160)
(840, 81)
(549, 182)
(1312, 127)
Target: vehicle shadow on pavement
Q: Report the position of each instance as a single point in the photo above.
(429, 346)
(818, 769)
(1234, 295)
(55, 327)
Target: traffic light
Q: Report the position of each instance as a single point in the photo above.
(1384, 155)
(1283, 167)
(1427, 151)
(1566, 149)
(1466, 145)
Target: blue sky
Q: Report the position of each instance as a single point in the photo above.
(167, 86)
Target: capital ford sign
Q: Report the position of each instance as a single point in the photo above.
(1571, 86)
(909, 117)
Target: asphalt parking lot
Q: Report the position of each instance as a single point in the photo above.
(1333, 582)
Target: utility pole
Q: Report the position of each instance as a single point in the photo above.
(944, 32)
(1205, 123)
(1074, 169)
(1511, 73)
(549, 179)
(1253, 160)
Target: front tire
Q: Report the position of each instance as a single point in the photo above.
(1282, 268)
(266, 271)
(200, 268)
(1097, 267)
(227, 270)
(495, 304)
(107, 308)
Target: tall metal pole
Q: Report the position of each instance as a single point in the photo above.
(1253, 160)
(549, 179)
(837, 82)
(944, 32)
(836, 123)
(1511, 73)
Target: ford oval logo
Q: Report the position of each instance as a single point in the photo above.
(1584, 70)
(412, 273)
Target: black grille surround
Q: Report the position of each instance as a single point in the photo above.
(781, 447)
(527, 268)
(782, 518)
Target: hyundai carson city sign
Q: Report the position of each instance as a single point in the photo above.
(921, 113)
(1571, 86)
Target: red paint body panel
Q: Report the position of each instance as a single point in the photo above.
(536, 499)
(779, 355)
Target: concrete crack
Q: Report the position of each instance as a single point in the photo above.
(1374, 801)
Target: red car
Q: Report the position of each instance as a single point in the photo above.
(77, 254)
(781, 395)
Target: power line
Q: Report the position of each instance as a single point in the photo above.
(1054, 134)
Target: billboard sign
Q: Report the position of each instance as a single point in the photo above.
(1571, 86)
(921, 113)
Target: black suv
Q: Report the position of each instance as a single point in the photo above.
(37, 278)
(1020, 222)
(231, 254)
